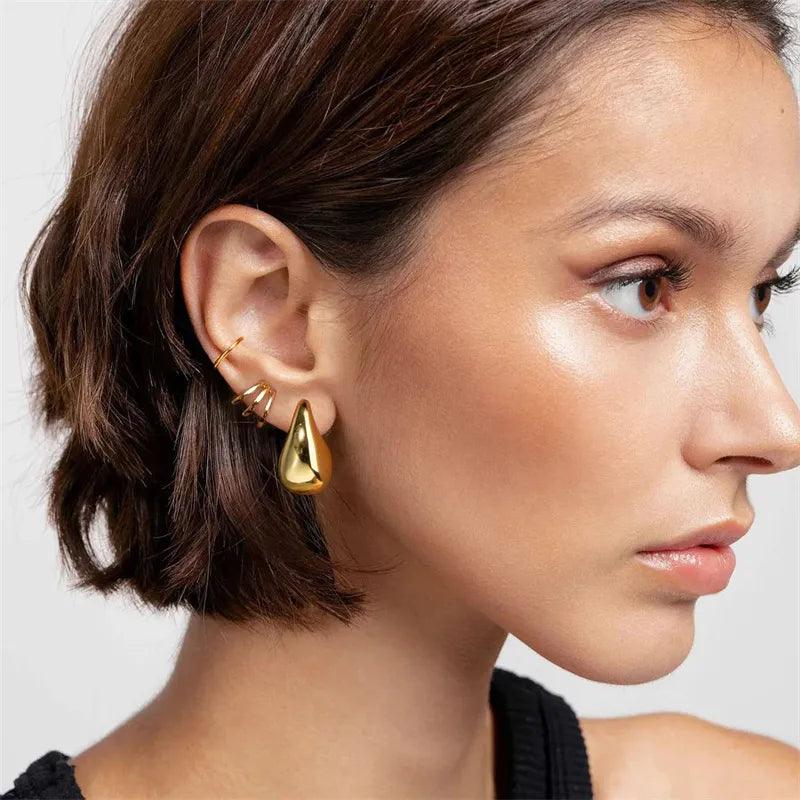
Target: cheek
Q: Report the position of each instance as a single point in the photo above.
(517, 435)
(520, 450)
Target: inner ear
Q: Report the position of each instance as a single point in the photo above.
(283, 325)
(236, 279)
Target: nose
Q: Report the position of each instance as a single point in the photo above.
(746, 416)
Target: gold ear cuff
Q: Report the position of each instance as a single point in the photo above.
(305, 464)
(224, 354)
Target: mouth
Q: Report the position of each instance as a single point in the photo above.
(705, 569)
(701, 562)
(720, 534)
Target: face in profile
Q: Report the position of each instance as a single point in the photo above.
(536, 414)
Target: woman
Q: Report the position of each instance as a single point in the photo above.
(382, 330)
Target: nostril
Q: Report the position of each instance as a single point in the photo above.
(752, 462)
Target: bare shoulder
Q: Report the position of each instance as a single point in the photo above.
(669, 755)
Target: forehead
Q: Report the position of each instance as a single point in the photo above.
(675, 108)
(706, 95)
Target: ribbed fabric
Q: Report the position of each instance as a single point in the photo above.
(545, 752)
(50, 777)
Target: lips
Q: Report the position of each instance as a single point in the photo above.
(721, 534)
(694, 571)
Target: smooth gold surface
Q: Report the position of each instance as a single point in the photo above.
(305, 461)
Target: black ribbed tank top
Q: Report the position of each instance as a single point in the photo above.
(542, 755)
(546, 756)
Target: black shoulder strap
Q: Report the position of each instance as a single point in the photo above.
(49, 777)
(547, 750)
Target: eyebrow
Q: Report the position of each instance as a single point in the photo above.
(698, 224)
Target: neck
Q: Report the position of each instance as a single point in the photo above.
(396, 704)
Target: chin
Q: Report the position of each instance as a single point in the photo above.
(625, 650)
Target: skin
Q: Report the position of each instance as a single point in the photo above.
(500, 451)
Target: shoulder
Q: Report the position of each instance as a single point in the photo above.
(681, 755)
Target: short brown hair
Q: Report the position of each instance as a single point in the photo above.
(343, 119)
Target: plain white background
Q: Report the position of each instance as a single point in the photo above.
(75, 665)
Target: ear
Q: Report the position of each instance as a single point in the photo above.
(245, 273)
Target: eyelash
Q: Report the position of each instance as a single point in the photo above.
(679, 275)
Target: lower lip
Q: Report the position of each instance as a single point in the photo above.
(699, 570)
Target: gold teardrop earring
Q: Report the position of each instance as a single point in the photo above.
(305, 463)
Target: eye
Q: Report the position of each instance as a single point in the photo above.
(760, 297)
(637, 296)
(762, 294)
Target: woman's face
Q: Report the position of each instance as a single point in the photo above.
(526, 425)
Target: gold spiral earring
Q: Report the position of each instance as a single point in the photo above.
(263, 389)
(305, 464)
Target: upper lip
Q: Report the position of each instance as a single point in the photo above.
(720, 534)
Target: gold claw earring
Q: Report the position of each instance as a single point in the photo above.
(263, 389)
(305, 464)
